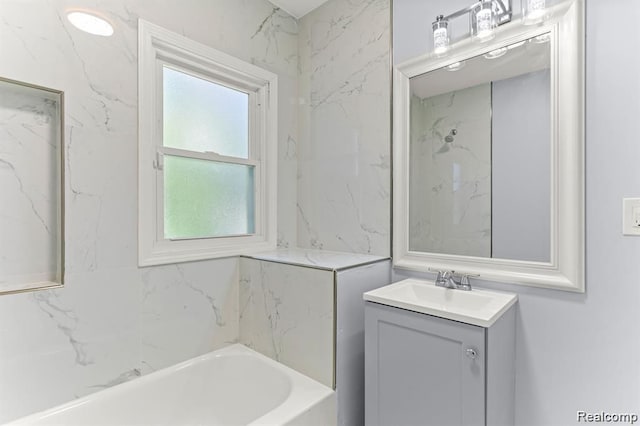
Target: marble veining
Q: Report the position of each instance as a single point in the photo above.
(134, 373)
(29, 186)
(66, 321)
(175, 298)
(450, 181)
(343, 149)
(112, 321)
(286, 313)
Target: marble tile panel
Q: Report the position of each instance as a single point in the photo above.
(286, 313)
(287, 161)
(187, 310)
(344, 133)
(57, 345)
(101, 217)
(450, 183)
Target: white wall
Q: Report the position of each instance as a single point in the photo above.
(580, 351)
(112, 321)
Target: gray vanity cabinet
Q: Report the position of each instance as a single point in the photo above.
(425, 370)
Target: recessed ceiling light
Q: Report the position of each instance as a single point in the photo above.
(90, 23)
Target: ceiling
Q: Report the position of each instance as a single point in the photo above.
(298, 8)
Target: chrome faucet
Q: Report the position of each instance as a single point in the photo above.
(449, 279)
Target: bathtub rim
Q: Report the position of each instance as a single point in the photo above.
(305, 392)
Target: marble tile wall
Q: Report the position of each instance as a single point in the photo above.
(296, 305)
(113, 321)
(450, 182)
(344, 127)
(30, 148)
(287, 313)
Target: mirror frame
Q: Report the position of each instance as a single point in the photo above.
(566, 268)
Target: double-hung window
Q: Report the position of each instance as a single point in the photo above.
(207, 151)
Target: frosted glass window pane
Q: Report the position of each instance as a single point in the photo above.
(207, 198)
(200, 115)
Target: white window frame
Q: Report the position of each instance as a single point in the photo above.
(158, 48)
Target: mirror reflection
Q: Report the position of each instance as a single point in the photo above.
(480, 156)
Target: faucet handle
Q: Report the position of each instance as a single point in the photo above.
(464, 280)
(442, 275)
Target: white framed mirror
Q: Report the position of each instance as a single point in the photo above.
(489, 155)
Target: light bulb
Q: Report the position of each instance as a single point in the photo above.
(440, 36)
(516, 45)
(484, 21)
(533, 11)
(455, 66)
(494, 54)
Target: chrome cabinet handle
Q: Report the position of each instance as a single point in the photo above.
(471, 353)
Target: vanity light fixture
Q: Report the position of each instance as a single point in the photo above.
(533, 11)
(90, 23)
(440, 36)
(484, 16)
(485, 23)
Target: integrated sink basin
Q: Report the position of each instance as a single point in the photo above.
(477, 307)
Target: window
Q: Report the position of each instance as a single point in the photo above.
(207, 151)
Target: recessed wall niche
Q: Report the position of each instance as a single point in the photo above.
(31, 191)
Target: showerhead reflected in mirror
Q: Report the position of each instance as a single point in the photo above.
(480, 156)
(447, 141)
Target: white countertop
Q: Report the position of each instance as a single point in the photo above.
(323, 259)
(477, 307)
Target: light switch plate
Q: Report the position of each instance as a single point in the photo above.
(631, 216)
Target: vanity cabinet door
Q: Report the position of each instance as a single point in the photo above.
(422, 370)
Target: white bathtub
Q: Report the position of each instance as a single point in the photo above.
(231, 386)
